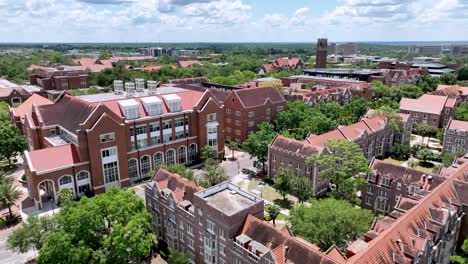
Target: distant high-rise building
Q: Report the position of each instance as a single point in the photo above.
(332, 48)
(321, 55)
(349, 49)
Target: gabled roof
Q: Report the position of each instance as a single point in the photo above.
(94, 65)
(53, 158)
(182, 188)
(293, 146)
(68, 112)
(458, 125)
(398, 238)
(285, 248)
(26, 106)
(450, 90)
(427, 103)
(188, 63)
(253, 97)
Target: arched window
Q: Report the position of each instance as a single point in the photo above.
(65, 180)
(158, 159)
(182, 154)
(133, 168)
(192, 152)
(170, 157)
(82, 175)
(145, 165)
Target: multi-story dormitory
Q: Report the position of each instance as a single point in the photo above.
(90, 143)
(223, 224)
(373, 134)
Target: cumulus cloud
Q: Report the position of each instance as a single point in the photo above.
(218, 12)
(297, 20)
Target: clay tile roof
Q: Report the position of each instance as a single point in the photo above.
(391, 241)
(294, 146)
(190, 63)
(26, 106)
(334, 253)
(268, 67)
(52, 158)
(459, 125)
(427, 103)
(298, 251)
(318, 142)
(5, 92)
(253, 97)
(69, 112)
(182, 188)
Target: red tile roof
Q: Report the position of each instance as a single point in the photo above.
(458, 125)
(450, 90)
(52, 158)
(253, 97)
(294, 146)
(26, 106)
(186, 64)
(400, 234)
(5, 92)
(156, 67)
(182, 188)
(427, 103)
(93, 65)
(285, 249)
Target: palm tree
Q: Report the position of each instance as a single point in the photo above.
(9, 195)
(233, 146)
(5, 178)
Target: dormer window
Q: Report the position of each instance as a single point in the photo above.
(412, 189)
(385, 181)
(130, 108)
(372, 178)
(173, 102)
(153, 105)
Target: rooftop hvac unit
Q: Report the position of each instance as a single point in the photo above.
(130, 89)
(152, 87)
(140, 85)
(118, 87)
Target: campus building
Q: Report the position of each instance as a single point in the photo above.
(389, 183)
(457, 92)
(456, 137)
(317, 95)
(14, 94)
(222, 224)
(374, 135)
(321, 53)
(90, 143)
(59, 78)
(429, 109)
(285, 63)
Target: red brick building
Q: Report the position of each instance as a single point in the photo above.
(18, 114)
(246, 108)
(460, 93)
(374, 135)
(285, 63)
(389, 183)
(429, 109)
(91, 143)
(321, 54)
(14, 94)
(223, 224)
(316, 96)
(59, 78)
(456, 137)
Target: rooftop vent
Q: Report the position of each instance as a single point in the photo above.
(118, 87)
(130, 108)
(130, 89)
(153, 105)
(140, 85)
(152, 87)
(173, 102)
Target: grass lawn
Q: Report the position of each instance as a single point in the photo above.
(270, 194)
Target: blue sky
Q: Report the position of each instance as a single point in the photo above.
(232, 20)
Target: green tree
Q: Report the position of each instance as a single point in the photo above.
(257, 143)
(412, 163)
(400, 152)
(207, 152)
(9, 196)
(448, 158)
(302, 188)
(215, 174)
(64, 196)
(273, 211)
(428, 83)
(426, 130)
(12, 142)
(462, 73)
(177, 257)
(425, 154)
(20, 241)
(111, 228)
(342, 163)
(233, 146)
(392, 115)
(381, 90)
(463, 258)
(461, 112)
(180, 170)
(448, 78)
(282, 182)
(4, 112)
(330, 222)
(408, 91)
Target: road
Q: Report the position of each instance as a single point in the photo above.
(8, 257)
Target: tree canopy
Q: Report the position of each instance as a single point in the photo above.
(257, 142)
(282, 182)
(341, 164)
(330, 222)
(111, 228)
(461, 112)
(12, 142)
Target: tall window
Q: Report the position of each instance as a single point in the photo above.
(133, 168)
(158, 159)
(111, 172)
(170, 157)
(192, 152)
(182, 154)
(145, 163)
